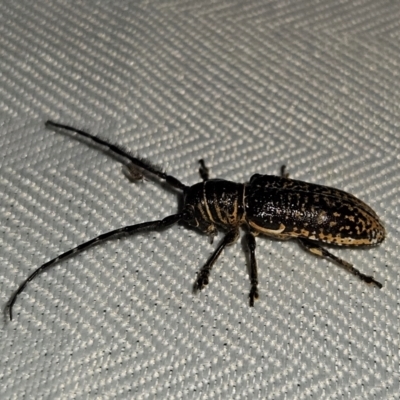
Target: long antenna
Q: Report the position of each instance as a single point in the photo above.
(126, 230)
(141, 163)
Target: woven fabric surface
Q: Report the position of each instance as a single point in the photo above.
(247, 86)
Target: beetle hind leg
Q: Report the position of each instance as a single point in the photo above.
(316, 249)
(204, 274)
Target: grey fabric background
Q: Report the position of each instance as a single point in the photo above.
(247, 86)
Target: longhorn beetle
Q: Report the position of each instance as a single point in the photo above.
(278, 207)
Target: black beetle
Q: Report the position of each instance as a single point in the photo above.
(274, 206)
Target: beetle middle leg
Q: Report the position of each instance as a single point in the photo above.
(204, 273)
(320, 251)
(251, 245)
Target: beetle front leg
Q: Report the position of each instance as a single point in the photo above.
(202, 278)
(251, 245)
(320, 251)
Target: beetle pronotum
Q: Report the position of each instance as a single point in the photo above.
(274, 206)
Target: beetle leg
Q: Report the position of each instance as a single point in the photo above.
(251, 245)
(204, 273)
(320, 251)
(284, 174)
(203, 171)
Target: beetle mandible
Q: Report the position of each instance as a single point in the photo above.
(274, 206)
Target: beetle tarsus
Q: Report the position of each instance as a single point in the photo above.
(201, 281)
(253, 295)
(370, 280)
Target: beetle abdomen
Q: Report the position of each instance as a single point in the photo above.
(288, 208)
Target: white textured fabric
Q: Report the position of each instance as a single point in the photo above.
(248, 86)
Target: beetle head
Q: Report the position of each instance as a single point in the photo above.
(196, 211)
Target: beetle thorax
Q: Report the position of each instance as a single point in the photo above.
(215, 202)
